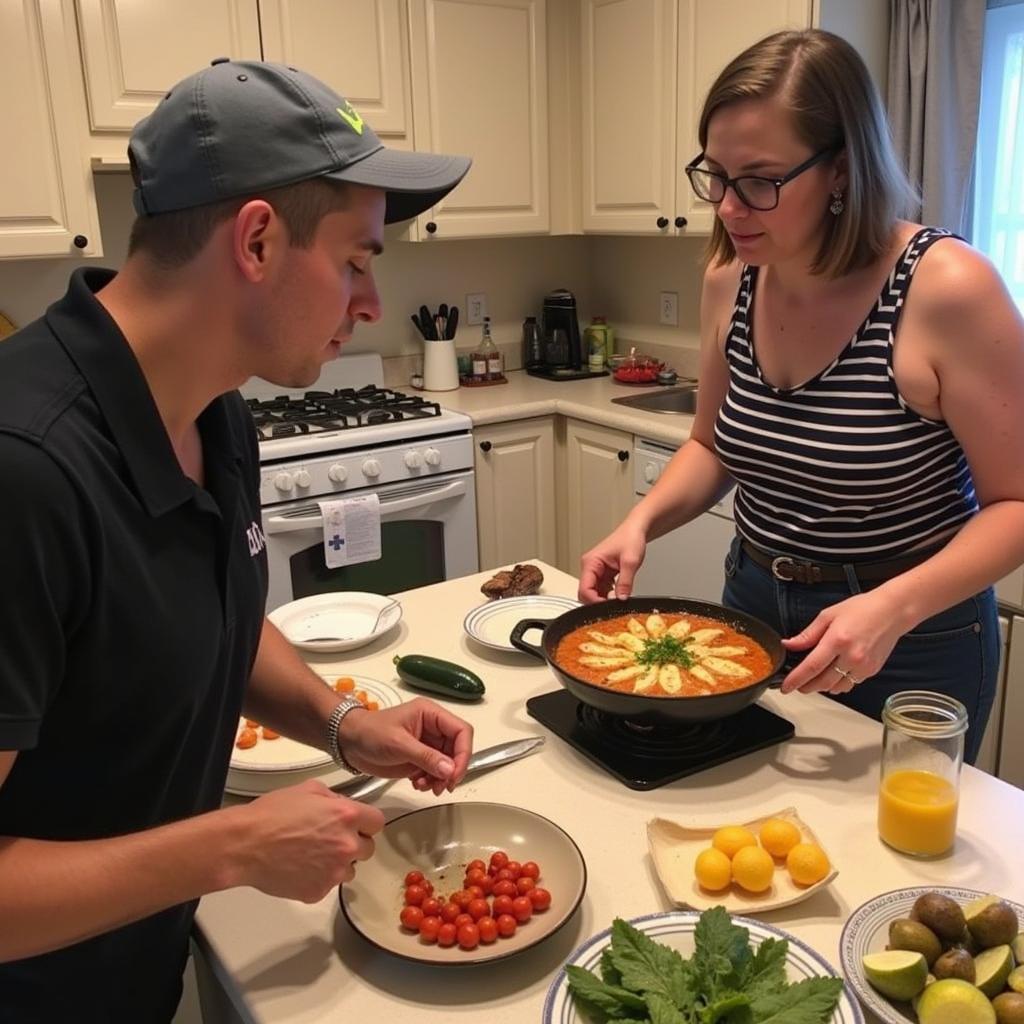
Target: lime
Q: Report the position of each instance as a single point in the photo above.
(992, 968)
(897, 973)
(953, 1001)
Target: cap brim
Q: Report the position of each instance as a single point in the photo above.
(414, 182)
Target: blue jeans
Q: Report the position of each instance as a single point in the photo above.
(955, 652)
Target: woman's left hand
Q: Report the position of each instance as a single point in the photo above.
(851, 641)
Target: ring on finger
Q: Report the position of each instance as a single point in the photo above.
(842, 672)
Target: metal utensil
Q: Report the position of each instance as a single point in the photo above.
(340, 639)
(489, 757)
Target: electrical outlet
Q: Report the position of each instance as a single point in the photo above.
(668, 309)
(476, 308)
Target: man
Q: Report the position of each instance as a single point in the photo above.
(132, 630)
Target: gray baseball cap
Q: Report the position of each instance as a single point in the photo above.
(242, 127)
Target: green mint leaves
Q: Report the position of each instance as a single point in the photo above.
(724, 982)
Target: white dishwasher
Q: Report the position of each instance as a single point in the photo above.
(687, 562)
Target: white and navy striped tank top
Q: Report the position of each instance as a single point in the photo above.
(840, 468)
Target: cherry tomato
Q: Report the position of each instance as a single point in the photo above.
(414, 878)
(540, 898)
(428, 886)
(487, 884)
(504, 875)
(429, 928)
(504, 888)
(450, 911)
(498, 860)
(469, 936)
(523, 885)
(415, 895)
(514, 868)
(475, 877)
(478, 908)
(474, 892)
(431, 907)
(446, 934)
(506, 925)
(464, 919)
(502, 905)
(530, 870)
(522, 909)
(411, 918)
(476, 865)
(488, 928)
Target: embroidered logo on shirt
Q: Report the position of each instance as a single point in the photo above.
(257, 541)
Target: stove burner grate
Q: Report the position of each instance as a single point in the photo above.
(688, 740)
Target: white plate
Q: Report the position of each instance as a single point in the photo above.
(285, 762)
(491, 624)
(867, 931)
(350, 615)
(675, 929)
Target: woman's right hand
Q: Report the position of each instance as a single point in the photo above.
(612, 563)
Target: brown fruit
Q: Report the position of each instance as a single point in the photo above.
(955, 963)
(943, 915)
(916, 937)
(995, 925)
(1009, 1008)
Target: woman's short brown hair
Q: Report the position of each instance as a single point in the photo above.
(834, 103)
(173, 239)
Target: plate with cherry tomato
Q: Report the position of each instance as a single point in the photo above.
(465, 883)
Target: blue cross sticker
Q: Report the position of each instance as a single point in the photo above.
(336, 542)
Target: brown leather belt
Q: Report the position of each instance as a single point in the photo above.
(797, 570)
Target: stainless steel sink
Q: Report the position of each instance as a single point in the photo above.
(672, 401)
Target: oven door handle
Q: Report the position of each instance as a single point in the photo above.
(292, 523)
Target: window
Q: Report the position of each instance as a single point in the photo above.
(999, 163)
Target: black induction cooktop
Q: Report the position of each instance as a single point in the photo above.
(645, 757)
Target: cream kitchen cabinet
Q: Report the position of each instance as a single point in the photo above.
(360, 48)
(133, 52)
(515, 491)
(47, 205)
(598, 491)
(479, 81)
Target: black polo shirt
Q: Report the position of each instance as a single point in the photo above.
(130, 613)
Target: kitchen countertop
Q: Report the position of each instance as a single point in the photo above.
(588, 399)
(291, 963)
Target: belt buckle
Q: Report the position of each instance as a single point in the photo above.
(798, 572)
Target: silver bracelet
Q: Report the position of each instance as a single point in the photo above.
(345, 705)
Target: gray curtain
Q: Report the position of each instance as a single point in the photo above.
(934, 92)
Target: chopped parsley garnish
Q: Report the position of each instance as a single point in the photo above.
(666, 650)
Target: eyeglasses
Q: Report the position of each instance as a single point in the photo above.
(753, 190)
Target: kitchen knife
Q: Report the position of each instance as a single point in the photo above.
(453, 321)
(489, 757)
(428, 324)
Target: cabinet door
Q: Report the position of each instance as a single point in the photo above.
(515, 492)
(1011, 746)
(988, 753)
(134, 52)
(711, 33)
(628, 63)
(360, 48)
(479, 73)
(46, 196)
(599, 485)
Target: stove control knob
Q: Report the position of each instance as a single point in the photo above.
(371, 467)
(283, 481)
(432, 456)
(413, 459)
(302, 478)
(650, 472)
(338, 473)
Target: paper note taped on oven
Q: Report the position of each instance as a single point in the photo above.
(351, 530)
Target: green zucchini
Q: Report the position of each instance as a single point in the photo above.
(437, 676)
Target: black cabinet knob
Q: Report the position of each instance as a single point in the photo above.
(485, 446)
(623, 456)
(431, 227)
(663, 222)
(680, 222)
(80, 241)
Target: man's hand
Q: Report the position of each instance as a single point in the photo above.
(418, 740)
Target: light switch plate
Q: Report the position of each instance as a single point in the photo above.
(668, 309)
(476, 308)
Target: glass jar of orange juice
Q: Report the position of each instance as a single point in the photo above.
(922, 754)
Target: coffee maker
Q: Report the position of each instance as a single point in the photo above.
(564, 357)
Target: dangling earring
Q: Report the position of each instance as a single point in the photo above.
(837, 205)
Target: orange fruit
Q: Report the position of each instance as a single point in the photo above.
(713, 869)
(732, 838)
(807, 863)
(778, 837)
(753, 868)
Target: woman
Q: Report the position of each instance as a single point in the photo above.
(874, 431)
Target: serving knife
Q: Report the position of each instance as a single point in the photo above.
(489, 757)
